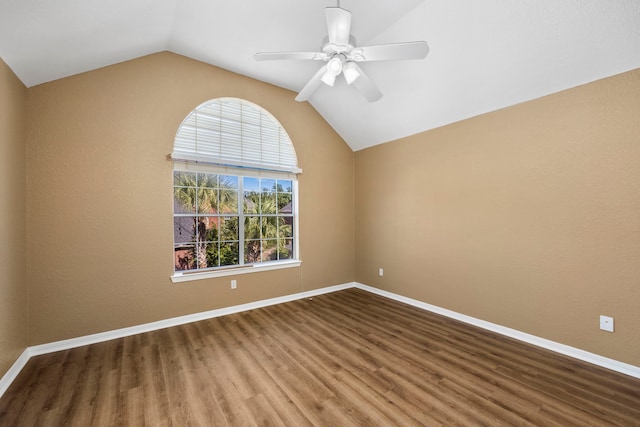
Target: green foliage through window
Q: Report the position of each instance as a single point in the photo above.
(227, 220)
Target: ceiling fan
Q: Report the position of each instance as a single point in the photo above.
(341, 56)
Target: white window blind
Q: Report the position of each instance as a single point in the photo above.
(234, 132)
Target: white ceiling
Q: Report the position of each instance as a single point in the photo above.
(485, 54)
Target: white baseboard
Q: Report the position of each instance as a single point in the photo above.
(576, 353)
(37, 350)
(175, 321)
(13, 371)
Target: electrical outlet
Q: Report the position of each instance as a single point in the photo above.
(380, 272)
(234, 284)
(606, 323)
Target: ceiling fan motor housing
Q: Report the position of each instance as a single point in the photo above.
(329, 48)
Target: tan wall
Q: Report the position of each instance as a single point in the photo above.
(528, 217)
(13, 289)
(100, 200)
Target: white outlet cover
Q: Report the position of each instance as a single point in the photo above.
(606, 323)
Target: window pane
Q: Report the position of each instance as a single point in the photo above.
(269, 250)
(184, 230)
(285, 227)
(184, 179)
(206, 254)
(184, 200)
(251, 202)
(252, 227)
(268, 196)
(285, 249)
(184, 257)
(268, 203)
(284, 203)
(229, 253)
(285, 186)
(207, 200)
(208, 228)
(269, 229)
(229, 228)
(207, 180)
(211, 249)
(252, 251)
(251, 184)
(229, 182)
(267, 184)
(227, 201)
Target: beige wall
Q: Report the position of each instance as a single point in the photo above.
(100, 202)
(13, 289)
(528, 217)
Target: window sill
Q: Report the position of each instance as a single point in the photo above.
(233, 271)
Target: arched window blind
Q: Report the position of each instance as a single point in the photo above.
(234, 132)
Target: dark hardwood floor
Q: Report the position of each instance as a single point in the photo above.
(346, 358)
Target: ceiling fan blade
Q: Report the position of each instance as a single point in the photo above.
(312, 85)
(394, 51)
(269, 56)
(338, 25)
(366, 86)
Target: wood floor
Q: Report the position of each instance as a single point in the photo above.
(346, 358)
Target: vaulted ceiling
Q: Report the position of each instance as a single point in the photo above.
(485, 54)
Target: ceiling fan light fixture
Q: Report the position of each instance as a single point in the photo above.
(328, 78)
(334, 65)
(350, 72)
(334, 68)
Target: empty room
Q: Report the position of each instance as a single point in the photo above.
(367, 213)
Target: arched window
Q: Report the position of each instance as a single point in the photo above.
(234, 192)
